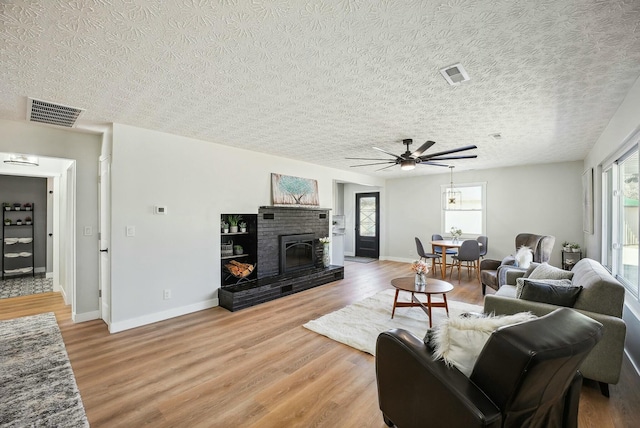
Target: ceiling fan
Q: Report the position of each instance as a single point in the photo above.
(408, 160)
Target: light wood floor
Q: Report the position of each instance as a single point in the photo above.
(257, 367)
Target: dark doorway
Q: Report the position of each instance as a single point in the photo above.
(368, 225)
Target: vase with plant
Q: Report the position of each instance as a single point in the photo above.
(233, 220)
(575, 248)
(456, 233)
(326, 257)
(224, 226)
(7, 222)
(421, 268)
(27, 220)
(27, 206)
(243, 226)
(7, 206)
(19, 222)
(17, 206)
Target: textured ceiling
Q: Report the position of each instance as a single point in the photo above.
(323, 80)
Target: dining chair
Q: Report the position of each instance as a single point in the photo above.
(426, 256)
(469, 252)
(438, 249)
(484, 244)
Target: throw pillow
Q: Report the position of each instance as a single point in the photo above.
(524, 257)
(561, 293)
(546, 271)
(458, 341)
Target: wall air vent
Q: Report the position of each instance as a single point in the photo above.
(455, 74)
(51, 113)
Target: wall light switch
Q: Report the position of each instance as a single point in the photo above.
(131, 231)
(88, 231)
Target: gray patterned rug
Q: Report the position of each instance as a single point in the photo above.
(16, 287)
(37, 385)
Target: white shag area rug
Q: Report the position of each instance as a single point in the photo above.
(358, 325)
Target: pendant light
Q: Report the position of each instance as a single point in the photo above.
(452, 197)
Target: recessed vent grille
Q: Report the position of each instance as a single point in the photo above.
(455, 74)
(52, 114)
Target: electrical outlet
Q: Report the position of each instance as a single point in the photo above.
(131, 231)
(167, 294)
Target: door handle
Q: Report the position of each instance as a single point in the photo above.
(106, 250)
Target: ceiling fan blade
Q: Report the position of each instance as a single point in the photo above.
(423, 148)
(383, 151)
(439, 158)
(377, 163)
(433, 164)
(368, 159)
(446, 152)
(386, 167)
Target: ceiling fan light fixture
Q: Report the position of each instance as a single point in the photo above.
(22, 160)
(408, 164)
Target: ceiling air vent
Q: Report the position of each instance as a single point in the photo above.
(52, 114)
(455, 74)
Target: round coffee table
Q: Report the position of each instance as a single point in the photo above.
(433, 286)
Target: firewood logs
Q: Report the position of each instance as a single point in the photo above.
(239, 270)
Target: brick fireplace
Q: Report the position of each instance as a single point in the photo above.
(279, 228)
(275, 222)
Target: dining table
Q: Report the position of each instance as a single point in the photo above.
(444, 244)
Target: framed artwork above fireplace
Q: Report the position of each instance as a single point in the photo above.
(287, 190)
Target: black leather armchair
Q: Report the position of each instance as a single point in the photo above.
(493, 273)
(526, 376)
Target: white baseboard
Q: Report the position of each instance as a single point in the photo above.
(64, 294)
(86, 316)
(119, 326)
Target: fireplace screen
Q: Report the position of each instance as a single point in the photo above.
(297, 252)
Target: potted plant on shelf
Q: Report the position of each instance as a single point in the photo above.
(27, 206)
(233, 220)
(224, 226)
(575, 248)
(27, 220)
(243, 226)
(7, 206)
(237, 249)
(17, 206)
(7, 222)
(19, 222)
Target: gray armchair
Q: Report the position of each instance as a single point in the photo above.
(495, 273)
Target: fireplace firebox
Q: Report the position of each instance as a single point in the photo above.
(297, 252)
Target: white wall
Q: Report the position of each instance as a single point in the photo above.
(23, 137)
(621, 127)
(543, 199)
(197, 181)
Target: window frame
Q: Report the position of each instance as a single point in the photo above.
(612, 217)
(483, 210)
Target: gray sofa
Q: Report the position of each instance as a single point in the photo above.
(602, 299)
